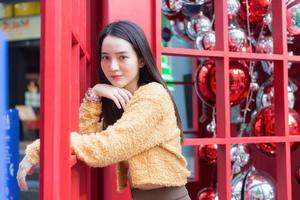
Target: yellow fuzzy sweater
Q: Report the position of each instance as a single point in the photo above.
(145, 141)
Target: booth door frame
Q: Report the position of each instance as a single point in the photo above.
(67, 40)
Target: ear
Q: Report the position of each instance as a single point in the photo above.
(141, 62)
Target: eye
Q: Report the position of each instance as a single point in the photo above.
(104, 57)
(123, 57)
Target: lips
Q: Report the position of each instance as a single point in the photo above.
(115, 77)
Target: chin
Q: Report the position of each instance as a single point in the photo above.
(118, 84)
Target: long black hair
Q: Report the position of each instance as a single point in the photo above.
(133, 34)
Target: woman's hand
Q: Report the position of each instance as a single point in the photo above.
(120, 96)
(25, 167)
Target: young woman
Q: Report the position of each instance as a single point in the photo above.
(139, 127)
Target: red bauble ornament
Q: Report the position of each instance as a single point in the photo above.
(206, 194)
(202, 82)
(264, 126)
(263, 3)
(239, 80)
(208, 152)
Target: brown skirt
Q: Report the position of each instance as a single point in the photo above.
(166, 193)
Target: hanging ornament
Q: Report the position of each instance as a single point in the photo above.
(293, 19)
(237, 38)
(262, 3)
(209, 40)
(206, 41)
(259, 185)
(254, 85)
(192, 7)
(297, 175)
(264, 126)
(205, 82)
(208, 153)
(171, 8)
(178, 29)
(257, 10)
(233, 7)
(206, 194)
(211, 127)
(265, 94)
(265, 45)
(240, 156)
(239, 81)
(198, 24)
(202, 82)
(237, 185)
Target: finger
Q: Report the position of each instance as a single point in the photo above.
(121, 100)
(124, 96)
(22, 181)
(128, 93)
(116, 101)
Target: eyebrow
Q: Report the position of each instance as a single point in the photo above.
(120, 52)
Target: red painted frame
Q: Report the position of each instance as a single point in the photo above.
(222, 57)
(69, 33)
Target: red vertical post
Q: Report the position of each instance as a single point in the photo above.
(222, 101)
(283, 163)
(55, 69)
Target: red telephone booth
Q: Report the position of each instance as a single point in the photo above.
(68, 68)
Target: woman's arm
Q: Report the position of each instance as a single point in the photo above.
(136, 131)
(89, 114)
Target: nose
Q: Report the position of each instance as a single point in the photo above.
(114, 65)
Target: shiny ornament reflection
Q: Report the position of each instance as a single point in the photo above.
(171, 8)
(237, 184)
(205, 82)
(237, 39)
(240, 157)
(192, 7)
(208, 153)
(265, 94)
(206, 194)
(293, 19)
(233, 7)
(206, 41)
(197, 25)
(259, 185)
(265, 45)
(263, 125)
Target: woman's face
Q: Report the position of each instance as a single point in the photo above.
(120, 63)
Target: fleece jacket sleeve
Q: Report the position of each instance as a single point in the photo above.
(135, 132)
(89, 114)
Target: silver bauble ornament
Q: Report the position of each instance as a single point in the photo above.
(240, 156)
(259, 185)
(206, 41)
(170, 8)
(233, 7)
(197, 25)
(191, 8)
(265, 45)
(237, 38)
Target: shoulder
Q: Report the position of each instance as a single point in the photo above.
(153, 88)
(154, 92)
